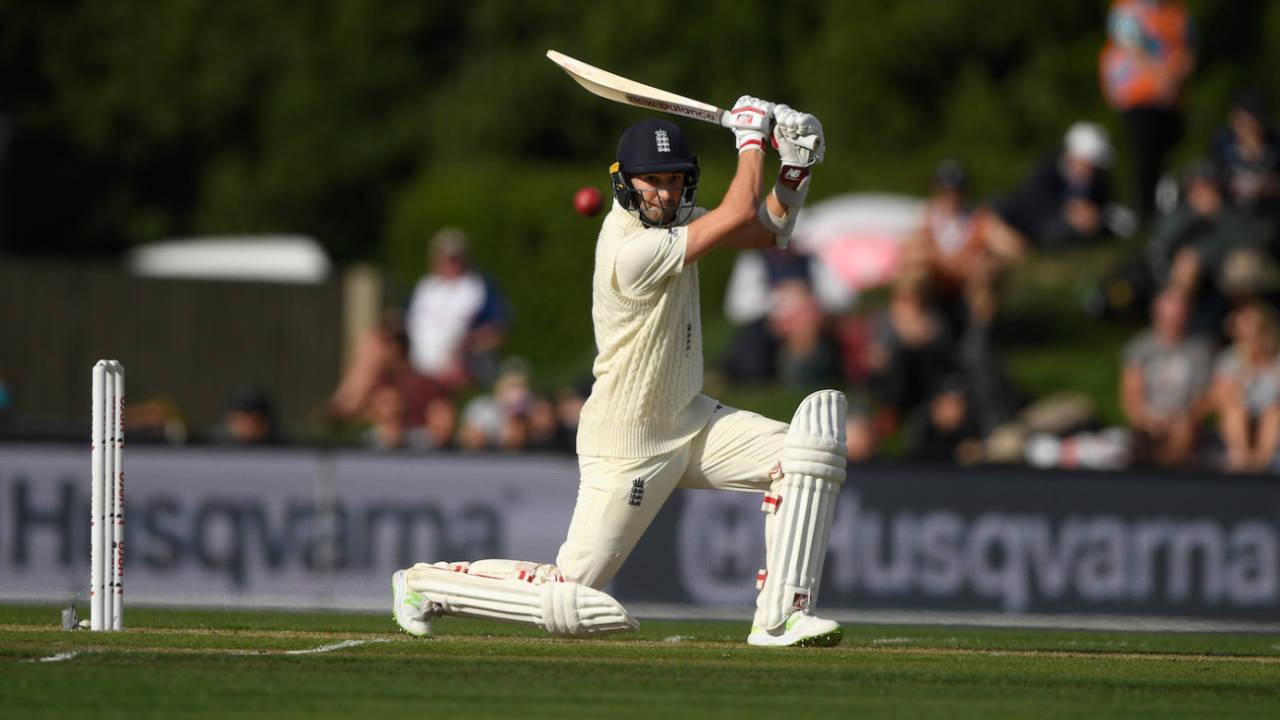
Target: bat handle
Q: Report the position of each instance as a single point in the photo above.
(726, 121)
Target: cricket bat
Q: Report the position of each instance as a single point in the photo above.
(629, 92)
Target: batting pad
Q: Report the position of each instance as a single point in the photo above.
(802, 503)
(561, 608)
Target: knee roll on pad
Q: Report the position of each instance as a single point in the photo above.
(815, 442)
(573, 610)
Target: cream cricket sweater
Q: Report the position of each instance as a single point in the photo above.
(646, 398)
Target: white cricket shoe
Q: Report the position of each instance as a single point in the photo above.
(800, 630)
(411, 610)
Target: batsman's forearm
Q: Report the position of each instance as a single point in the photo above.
(749, 177)
(733, 223)
(751, 234)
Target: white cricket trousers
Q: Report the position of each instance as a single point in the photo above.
(619, 497)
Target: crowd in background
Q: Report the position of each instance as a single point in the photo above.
(408, 376)
(1199, 386)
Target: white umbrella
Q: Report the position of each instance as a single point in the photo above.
(859, 236)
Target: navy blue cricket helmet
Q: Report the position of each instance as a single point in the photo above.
(654, 146)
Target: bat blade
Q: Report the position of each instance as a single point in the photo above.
(629, 92)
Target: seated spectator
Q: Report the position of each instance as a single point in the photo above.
(807, 355)
(568, 409)
(944, 429)
(751, 295)
(911, 352)
(387, 429)
(1165, 376)
(861, 439)
(958, 246)
(1247, 150)
(500, 419)
(156, 419)
(438, 427)
(1061, 202)
(1190, 246)
(249, 419)
(543, 428)
(1245, 392)
(480, 425)
(381, 359)
(456, 318)
(963, 252)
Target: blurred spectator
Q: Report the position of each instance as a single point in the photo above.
(156, 419)
(911, 351)
(861, 440)
(959, 248)
(1247, 150)
(1246, 389)
(481, 424)
(807, 355)
(944, 428)
(439, 426)
(501, 419)
(568, 408)
(994, 398)
(542, 425)
(753, 294)
(456, 317)
(1061, 202)
(1164, 380)
(249, 419)
(1189, 247)
(1149, 53)
(387, 429)
(381, 360)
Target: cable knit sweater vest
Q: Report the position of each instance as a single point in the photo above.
(648, 369)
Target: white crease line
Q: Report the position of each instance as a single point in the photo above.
(334, 646)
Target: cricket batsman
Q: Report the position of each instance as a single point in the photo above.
(646, 428)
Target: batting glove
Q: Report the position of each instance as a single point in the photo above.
(750, 120)
(800, 142)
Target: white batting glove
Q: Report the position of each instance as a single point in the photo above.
(750, 120)
(801, 144)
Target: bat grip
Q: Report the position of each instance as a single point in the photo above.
(726, 121)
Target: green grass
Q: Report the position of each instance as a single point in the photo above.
(213, 663)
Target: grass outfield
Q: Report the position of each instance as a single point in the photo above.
(221, 663)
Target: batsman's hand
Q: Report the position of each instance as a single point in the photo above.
(801, 144)
(750, 120)
(798, 137)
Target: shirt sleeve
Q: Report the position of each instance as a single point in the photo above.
(648, 258)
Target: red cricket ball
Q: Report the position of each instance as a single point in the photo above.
(587, 201)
